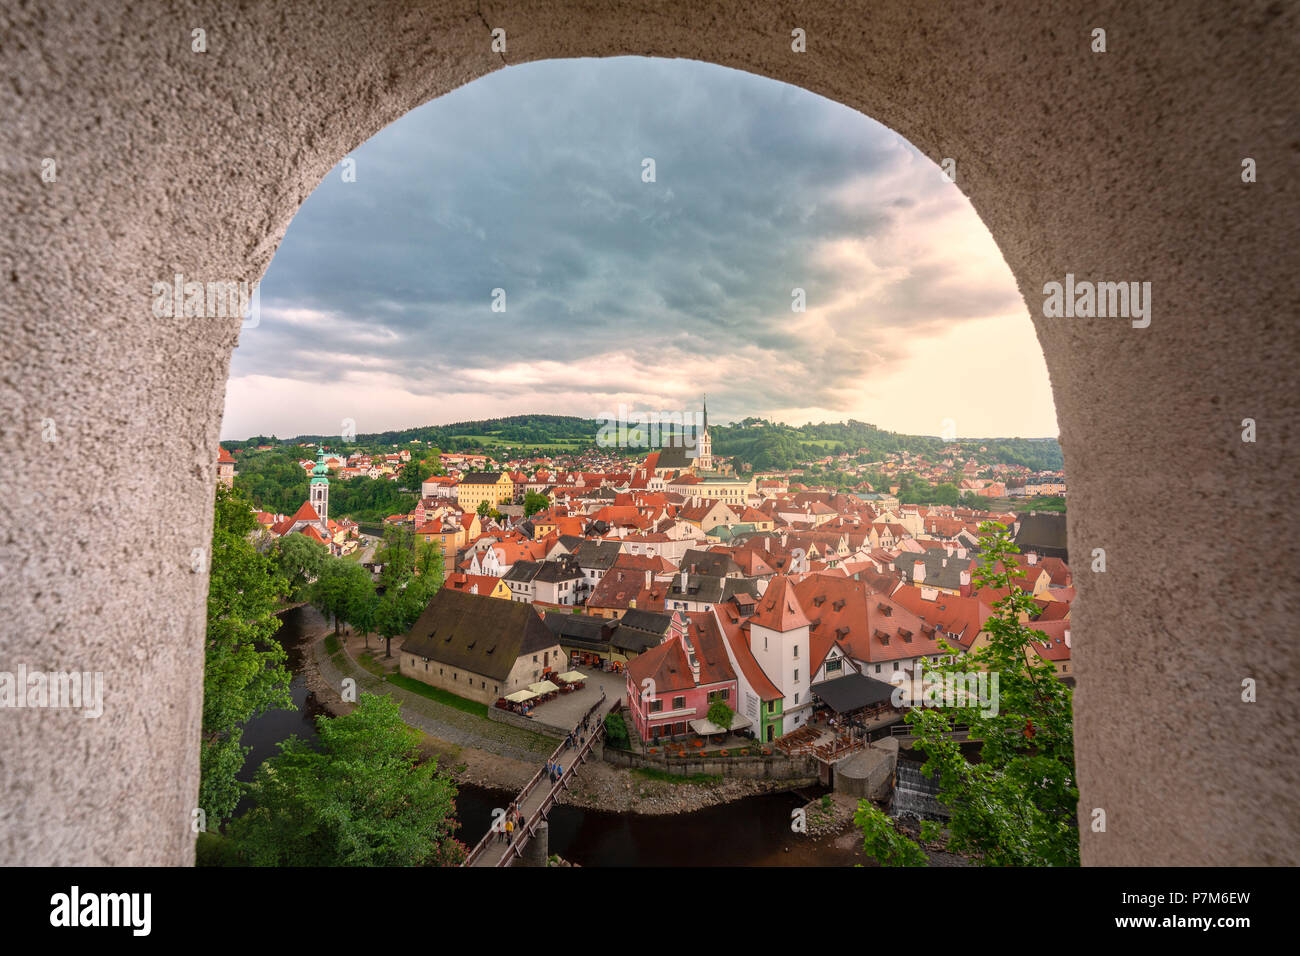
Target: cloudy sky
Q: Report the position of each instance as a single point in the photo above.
(378, 304)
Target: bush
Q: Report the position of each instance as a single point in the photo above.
(616, 731)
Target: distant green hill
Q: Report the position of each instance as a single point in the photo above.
(768, 445)
(756, 442)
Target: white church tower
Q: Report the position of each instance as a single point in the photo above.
(704, 443)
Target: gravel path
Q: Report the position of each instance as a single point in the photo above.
(451, 729)
(501, 756)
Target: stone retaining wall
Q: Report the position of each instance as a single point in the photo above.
(526, 723)
(776, 767)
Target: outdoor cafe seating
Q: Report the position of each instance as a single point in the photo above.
(544, 690)
(520, 702)
(571, 680)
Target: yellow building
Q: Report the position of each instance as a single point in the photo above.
(477, 487)
(728, 489)
(449, 537)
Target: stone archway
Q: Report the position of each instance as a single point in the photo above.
(1122, 165)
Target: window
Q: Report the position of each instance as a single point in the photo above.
(656, 705)
(796, 703)
(877, 668)
(796, 650)
(679, 703)
(833, 667)
(895, 665)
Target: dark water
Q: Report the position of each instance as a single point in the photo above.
(750, 832)
(265, 733)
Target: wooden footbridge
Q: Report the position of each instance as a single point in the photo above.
(540, 794)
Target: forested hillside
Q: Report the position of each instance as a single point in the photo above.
(756, 442)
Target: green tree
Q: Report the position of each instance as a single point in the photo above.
(244, 673)
(397, 555)
(363, 799)
(720, 714)
(410, 579)
(483, 509)
(413, 474)
(616, 731)
(300, 559)
(535, 501)
(428, 560)
(882, 842)
(341, 587)
(1018, 805)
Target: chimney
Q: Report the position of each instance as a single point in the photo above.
(1032, 557)
(685, 579)
(648, 577)
(965, 583)
(918, 572)
(1067, 637)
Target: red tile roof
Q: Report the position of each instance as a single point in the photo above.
(779, 609)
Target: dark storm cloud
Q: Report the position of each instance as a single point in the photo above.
(530, 180)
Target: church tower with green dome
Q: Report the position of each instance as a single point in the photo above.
(320, 488)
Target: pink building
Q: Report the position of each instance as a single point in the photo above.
(673, 684)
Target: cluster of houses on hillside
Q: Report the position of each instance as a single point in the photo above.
(708, 586)
(312, 518)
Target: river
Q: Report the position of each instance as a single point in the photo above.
(754, 831)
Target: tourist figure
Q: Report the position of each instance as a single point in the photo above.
(510, 832)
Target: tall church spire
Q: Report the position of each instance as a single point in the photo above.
(704, 443)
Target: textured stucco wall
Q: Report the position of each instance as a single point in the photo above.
(1116, 166)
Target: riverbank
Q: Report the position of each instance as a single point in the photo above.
(498, 756)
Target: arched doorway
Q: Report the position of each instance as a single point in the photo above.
(1116, 166)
